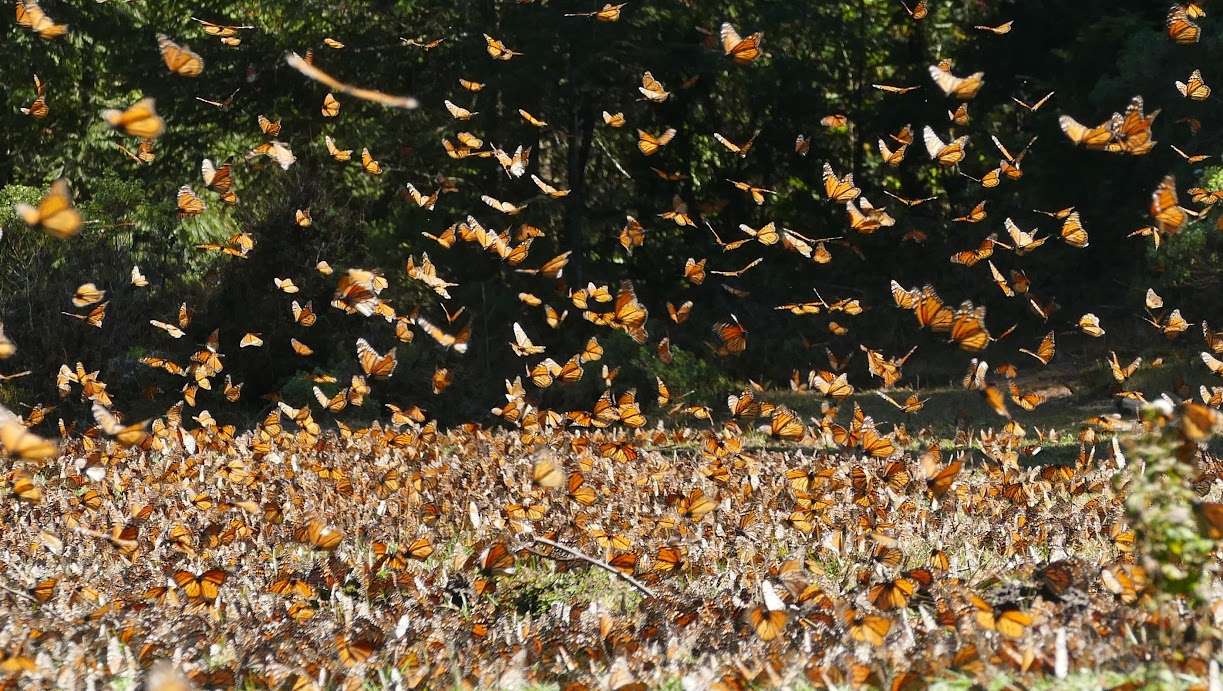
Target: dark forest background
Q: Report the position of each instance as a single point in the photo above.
(821, 59)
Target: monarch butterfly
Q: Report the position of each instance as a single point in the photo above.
(1073, 233)
(893, 594)
(867, 219)
(834, 387)
(1090, 137)
(188, 203)
(319, 534)
(931, 312)
(967, 328)
(649, 144)
(1034, 106)
(652, 89)
(905, 298)
(874, 444)
(497, 50)
(7, 347)
(1120, 374)
(897, 90)
(1024, 242)
(514, 165)
(945, 154)
(353, 650)
(1165, 207)
(1133, 131)
(742, 50)
(971, 257)
(268, 127)
(733, 337)
(960, 116)
(129, 435)
(839, 190)
(1181, 29)
(139, 120)
(531, 119)
(549, 189)
(19, 441)
(180, 60)
(609, 13)
(301, 349)
(95, 318)
(1007, 620)
(31, 16)
(373, 364)
(460, 113)
(306, 67)
(1028, 401)
(678, 213)
(331, 106)
(38, 109)
(892, 157)
(220, 180)
(668, 559)
(22, 486)
(304, 316)
(999, 30)
(918, 12)
(785, 424)
(1089, 324)
(1044, 351)
(522, 345)
(740, 149)
(275, 150)
(457, 341)
(1194, 88)
(55, 214)
(553, 268)
(611, 120)
(368, 164)
(628, 407)
(976, 215)
(1000, 280)
(964, 89)
(1172, 326)
(220, 30)
(1213, 339)
(44, 590)
(203, 587)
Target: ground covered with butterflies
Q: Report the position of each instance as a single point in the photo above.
(405, 557)
(555, 344)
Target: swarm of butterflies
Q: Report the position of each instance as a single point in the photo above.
(834, 549)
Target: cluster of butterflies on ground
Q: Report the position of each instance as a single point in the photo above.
(296, 536)
(358, 291)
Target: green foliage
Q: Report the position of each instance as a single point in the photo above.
(1177, 557)
(689, 375)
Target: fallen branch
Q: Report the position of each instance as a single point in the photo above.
(592, 561)
(18, 593)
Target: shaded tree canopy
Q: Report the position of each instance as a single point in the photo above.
(820, 60)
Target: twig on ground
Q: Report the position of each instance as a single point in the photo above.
(592, 561)
(18, 593)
